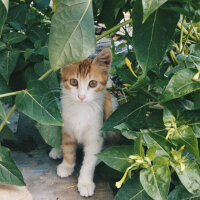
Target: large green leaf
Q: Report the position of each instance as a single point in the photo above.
(3, 13)
(4, 88)
(190, 176)
(39, 103)
(148, 48)
(126, 132)
(50, 134)
(124, 113)
(163, 146)
(72, 36)
(117, 157)
(2, 112)
(180, 193)
(8, 60)
(179, 85)
(138, 148)
(149, 6)
(132, 190)
(185, 136)
(14, 38)
(156, 179)
(7, 134)
(9, 173)
(2, 46)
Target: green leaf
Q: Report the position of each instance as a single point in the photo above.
(14, 38)
(72, 37)
(7, 134)
(50, 134)
(42, 4)
(161, 24)
(163, 145)
(179, 85)
(4, 88)
(39, 103)
(126, 132)
(2, 112)
(3, 13)
(180, 193)
(156, 179)
(190, 176)
(124, 113)
(132, 190)
(51, 80)
(151, 152)
(9, 173)
(2, 46)
(185, 136)
(117, 157)
(28, 52)
(8, 60)
(138, 148)
(149, 6)
(168, 117)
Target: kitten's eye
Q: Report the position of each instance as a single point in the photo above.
(93, 84)
(73, 82)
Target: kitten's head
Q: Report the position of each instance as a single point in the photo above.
(85, 80)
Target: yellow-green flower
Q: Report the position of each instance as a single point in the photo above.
(128, 63)
(196, 76)
(119, 183)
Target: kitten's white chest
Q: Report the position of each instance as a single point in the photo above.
(80, 118)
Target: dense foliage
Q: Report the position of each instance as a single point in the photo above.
(158, 80)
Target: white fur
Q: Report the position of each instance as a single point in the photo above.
(64, 169)
(55, 153)
(83, 120)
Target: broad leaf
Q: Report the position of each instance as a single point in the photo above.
(7, 134)
(124, 113)
(117, 157)
(2, 112)
(8, 60)
(179, 85)
(9, 173)
(3, 13)
(50, 134)
(190, 176)
(185, 136)
(2, 46)
(39, 103)
(180, 193)
(163, 146)
(161, 24)
(168, 117)
(156, 179)
(149, 6)
(138, 148)
(132, 190)
(42, 4)
(14, 38)
(151, 152)
(72, 36)
(126, 132)
(4, 88)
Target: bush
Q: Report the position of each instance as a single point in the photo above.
(159, 79)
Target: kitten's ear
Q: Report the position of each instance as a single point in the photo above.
(103, 59)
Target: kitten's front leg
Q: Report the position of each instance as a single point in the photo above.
(69, 144)
(86, 185)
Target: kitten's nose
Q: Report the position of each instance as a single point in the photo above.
(81, 97)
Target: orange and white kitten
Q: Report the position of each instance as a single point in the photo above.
(85, 105)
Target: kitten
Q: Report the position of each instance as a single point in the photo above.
(85, 104)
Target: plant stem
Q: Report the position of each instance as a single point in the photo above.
(186, 32)
(10, 94)
(113, 29)
(191, 27)
(181, 35)
(7, 117)
(173, 57)
(45, 75)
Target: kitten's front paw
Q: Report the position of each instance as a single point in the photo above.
(55, 153)
(86, 189)
(64, 169)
